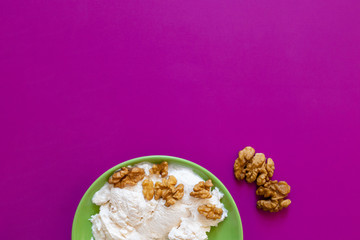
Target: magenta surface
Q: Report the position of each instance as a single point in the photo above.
(85, 85)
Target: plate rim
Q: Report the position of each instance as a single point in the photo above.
(143, 159)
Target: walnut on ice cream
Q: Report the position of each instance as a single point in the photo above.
(274, 193)
(148, 189)
(160, 169)
(127, 176)
(166, 190)
(210, 211)
(202, 189)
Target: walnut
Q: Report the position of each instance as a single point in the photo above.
(118, 175)
(161, 169)
(244, 157)
(148, 189)
(274, 192)
(166, 190)
(273, 206)
(127, 176)
(259, 170)
(210, 211)
(253, 167)
(202, 189)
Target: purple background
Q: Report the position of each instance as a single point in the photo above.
(88, 84)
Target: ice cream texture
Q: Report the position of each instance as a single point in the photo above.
(126, 214)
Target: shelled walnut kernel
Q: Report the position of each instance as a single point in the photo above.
(166, 190)
(202, 189)
(274, 193)
(240, 163)
(160, 169)
(127, 176)
(210, 211)
(148, 189)
(253, 167)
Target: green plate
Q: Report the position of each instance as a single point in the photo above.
(230, 228)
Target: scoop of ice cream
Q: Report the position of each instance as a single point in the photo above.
(188, 230)
(126, 214)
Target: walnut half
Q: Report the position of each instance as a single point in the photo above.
(148, 189)
(273, 206)
(160, 169)
(240, 163)
(202, 189)
(127, 176)
(210, 211)
(166, 190)
(274, 193)
(253, 167)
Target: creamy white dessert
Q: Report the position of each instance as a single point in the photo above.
(126, 214)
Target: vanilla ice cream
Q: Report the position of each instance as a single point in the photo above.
(125, 214)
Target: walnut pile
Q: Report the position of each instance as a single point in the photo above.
(274, 193)
(127, 176)
(166, 190)
(253, 167)
(202, 189)
(210, 211)
(148, 189)
(160, 169)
